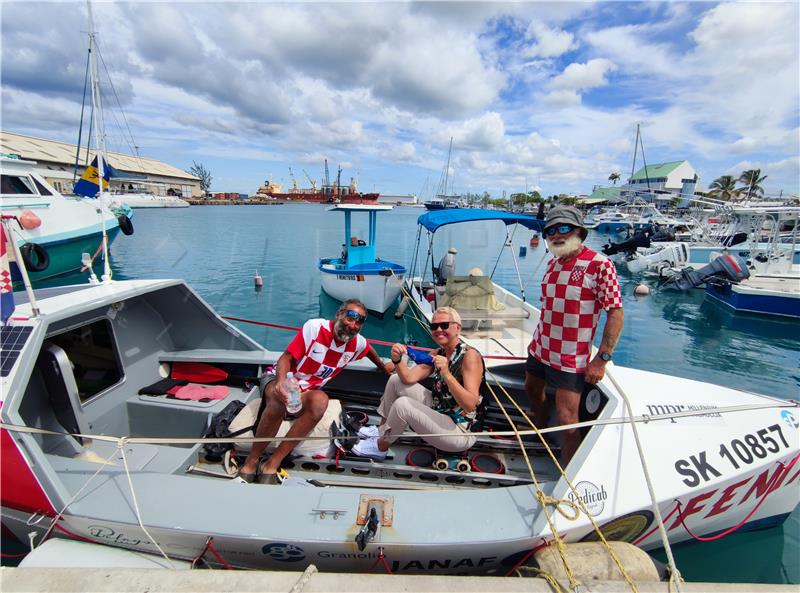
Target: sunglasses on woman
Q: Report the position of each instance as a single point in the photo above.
(355, 316)
(562, 229)
(440, 324)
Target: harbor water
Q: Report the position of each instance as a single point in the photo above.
(218, 250)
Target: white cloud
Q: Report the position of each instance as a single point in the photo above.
(547, 42)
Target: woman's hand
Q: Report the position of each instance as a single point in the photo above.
(398, 350)
(441, 364)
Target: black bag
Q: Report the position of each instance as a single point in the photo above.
(219, 429)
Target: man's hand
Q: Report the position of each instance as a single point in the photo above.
(282, 391)
(595, 371)
(388, 367)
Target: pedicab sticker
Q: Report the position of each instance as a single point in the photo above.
(626, 528)
(284, 552)
(593, 497)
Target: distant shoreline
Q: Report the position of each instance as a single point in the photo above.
(210, 202)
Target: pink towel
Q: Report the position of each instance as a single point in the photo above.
(198, 392)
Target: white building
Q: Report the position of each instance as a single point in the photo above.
(399, 200)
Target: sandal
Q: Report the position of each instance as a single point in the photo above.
(248, 477)
(269, 479)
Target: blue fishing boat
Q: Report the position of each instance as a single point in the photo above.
(357, 272)
(765, 295)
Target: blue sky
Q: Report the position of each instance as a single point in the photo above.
(536, 95)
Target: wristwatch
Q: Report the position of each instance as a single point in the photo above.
(605, 356)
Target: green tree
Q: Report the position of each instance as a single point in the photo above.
(614, 177)
(751, 181)
(723, 188)
(203, 174)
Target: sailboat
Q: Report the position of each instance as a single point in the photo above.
(443, 201)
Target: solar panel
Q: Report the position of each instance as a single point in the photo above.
(12, 340)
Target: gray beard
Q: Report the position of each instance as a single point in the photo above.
(340, 332)
(568, 247)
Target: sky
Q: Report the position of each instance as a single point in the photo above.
(535, 95)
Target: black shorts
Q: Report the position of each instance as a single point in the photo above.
(554, 377)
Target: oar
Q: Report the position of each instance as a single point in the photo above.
(200, 372)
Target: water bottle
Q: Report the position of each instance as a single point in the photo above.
(294, 404)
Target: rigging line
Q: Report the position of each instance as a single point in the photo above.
(132, 143)
(650, 489)
(121, 447)
(563, 473)
(645, 418)
(80, 127)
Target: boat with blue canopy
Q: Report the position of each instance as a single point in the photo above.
(496, 321)
(358, 272)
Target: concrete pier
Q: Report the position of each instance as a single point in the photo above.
(60, 580)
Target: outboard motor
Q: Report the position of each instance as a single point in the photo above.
(447, 266)
(639, 239)
(729, 267)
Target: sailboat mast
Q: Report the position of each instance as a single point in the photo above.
(99, 138)
(447, 167)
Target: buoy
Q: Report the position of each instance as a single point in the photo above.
(28, 220)
(590, 562)
(535, 241)
(430, 296)
(258, 281)
(641, 290)
(523, 251)
(401, 308)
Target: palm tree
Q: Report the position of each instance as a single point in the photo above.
(614, 177)
(723, 188)
(751, 180)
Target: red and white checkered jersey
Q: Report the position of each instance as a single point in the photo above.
(319, 357)
(573, 294)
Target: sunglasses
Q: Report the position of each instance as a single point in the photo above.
(562, 229)
(355, 316)
(441, 324)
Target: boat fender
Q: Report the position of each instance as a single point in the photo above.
(28, 220)
(125, 224)
(641, 290)
(401, 309)
(35, 257)
(589, 562)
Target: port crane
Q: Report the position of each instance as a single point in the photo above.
(311, 181)
(294, 181)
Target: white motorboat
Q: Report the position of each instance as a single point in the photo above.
(69, 226)
(358, 272)
(90, 453)
(149, 200)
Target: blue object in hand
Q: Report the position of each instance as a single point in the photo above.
(420, 356)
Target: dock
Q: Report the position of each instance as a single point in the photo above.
(58, 580)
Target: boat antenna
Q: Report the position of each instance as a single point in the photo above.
(99, 136)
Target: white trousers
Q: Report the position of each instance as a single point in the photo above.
(409, 406)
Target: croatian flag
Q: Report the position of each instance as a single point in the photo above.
(6, 289)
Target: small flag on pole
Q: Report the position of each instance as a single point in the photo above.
(88, 183)
(6, 287)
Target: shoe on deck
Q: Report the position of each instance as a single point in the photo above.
(368, 432)
(368, 448)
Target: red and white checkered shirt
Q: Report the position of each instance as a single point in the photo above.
(319, 357)
(573, 294)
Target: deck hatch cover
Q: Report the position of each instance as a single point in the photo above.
(13, 340)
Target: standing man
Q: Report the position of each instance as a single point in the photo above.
(577, 285)
(319, 351)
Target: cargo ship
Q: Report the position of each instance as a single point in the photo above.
(328, 194)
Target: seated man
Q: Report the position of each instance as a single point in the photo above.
(451, 406)
(319, 351)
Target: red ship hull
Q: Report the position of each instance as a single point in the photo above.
(350, 198)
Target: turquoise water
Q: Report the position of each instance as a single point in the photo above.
(218, 250)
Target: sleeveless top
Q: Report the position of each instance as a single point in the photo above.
(445, 403)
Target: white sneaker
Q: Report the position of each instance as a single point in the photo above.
(368, 432)
(368, 448)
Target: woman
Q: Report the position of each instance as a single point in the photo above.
(452, 405)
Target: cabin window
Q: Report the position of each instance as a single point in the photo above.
(42, 189)
(93, 355)
(16, 185)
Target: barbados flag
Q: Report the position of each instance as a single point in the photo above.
(6, 288)
(88, 183)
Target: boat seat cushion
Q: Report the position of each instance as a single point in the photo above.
(318, 445)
